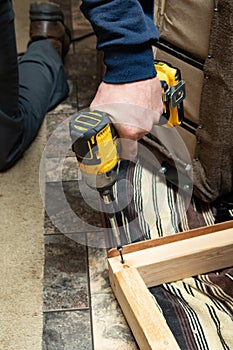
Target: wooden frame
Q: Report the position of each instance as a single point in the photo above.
(150, 263)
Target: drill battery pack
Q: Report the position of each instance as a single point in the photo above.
(173, 92)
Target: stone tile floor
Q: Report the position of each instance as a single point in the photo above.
(80, 310)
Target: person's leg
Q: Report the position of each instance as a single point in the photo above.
(8, 60)
(11, 125)
(42, 86)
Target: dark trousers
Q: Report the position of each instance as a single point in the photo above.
(29, 88)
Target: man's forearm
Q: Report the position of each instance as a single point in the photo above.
(125, 32)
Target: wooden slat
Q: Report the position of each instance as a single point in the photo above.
(174, 260)
(180, 259)
(172, 238)
(143, 316)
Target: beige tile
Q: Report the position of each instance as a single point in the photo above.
(110, 329)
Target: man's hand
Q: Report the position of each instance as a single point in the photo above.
(135, 107)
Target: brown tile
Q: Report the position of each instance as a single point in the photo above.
(57, 169)
(49, 227)
(71, 208)
(84, 73)
(67, 330)
(65, 274)
(86, 61)
(86, 92)
(54, 120)
(67, 10)
(72, 99)
(84, 48)
(58, 136)
(80, 24)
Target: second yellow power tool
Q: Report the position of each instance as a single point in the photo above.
(173, 93)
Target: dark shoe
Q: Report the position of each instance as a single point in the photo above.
(47, 22)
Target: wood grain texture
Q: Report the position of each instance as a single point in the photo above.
(143, 316)
(166, 260)
(172, 238)
(180, 259)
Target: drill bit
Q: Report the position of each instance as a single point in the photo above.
(113, 222)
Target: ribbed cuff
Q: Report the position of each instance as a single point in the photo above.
(125, 67)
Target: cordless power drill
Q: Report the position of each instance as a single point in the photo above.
(95, 140)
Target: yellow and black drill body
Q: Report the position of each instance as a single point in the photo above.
(94, 142)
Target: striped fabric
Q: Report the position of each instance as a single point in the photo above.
(198, 310)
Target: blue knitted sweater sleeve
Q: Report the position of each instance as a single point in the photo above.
(125, 31)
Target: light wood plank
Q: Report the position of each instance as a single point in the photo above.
(145, 320)
(172, 238)
(180, 259)
(187, 255)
